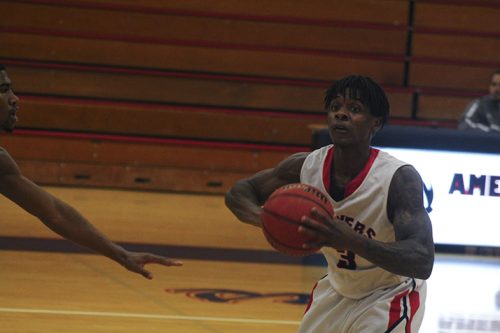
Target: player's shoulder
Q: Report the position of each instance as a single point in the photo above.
(406, 177)
(290, 167)
(4, 155)
(296, 158)
(7, 163)
(405, 191)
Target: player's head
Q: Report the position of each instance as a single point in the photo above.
(357, 108)
(495, 85)
(9, 103)
(363, 89)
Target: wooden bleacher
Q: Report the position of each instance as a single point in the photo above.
(455, 51)
(192, 95)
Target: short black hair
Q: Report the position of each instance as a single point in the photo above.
(2, 67)
(362, 88)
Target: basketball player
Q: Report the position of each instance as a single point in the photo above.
(379, 246)
(53, 212)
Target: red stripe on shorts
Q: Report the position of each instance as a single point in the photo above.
(395, 311)
(414, 305)
(311, 297)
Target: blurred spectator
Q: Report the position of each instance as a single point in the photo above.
(483, 114)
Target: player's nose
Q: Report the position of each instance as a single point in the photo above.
(13, 99)
(342, 114)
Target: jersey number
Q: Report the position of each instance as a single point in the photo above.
(347, 260)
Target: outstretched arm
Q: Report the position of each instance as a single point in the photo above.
(246, 197)
(66, 221)
(412, 252)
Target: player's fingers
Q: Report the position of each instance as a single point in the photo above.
(147, 274)
(320, 216)
(155, 259)
(172, 262)
(309, 222)
(138, 267)
(305, 230)
(310, 227)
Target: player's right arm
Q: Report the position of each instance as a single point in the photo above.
(246, 197)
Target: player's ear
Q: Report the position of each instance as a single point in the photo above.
(377, 124)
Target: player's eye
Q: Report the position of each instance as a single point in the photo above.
(335, 106)
(355, 108)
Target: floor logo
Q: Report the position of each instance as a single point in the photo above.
(235, 296)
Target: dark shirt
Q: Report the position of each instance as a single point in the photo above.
(482, 114)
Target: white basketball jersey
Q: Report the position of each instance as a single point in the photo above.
(364, 208)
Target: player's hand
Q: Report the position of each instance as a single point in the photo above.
(325, 231)
(135, 261)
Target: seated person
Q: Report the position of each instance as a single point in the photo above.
(483, 114)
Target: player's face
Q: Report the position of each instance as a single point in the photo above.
(495, 86)
(9, 104)
(350, 121)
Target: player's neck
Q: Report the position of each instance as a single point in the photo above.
(348, 163)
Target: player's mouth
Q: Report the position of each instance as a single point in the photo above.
(340, 129)
(13, 115)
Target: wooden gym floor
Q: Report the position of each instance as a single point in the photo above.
(231, 281)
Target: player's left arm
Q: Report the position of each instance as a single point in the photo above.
(412, 225)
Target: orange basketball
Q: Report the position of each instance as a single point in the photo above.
(283, 211)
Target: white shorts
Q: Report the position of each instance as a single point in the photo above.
(398, 309)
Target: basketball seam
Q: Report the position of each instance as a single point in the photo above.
(279, 216)
(318, 203)
(280, 212)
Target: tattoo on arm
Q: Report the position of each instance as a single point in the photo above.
(405, 193)
(412, 225)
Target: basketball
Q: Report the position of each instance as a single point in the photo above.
(282, 213)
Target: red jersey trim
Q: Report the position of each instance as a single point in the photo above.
(356, 182)
(326, 168)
